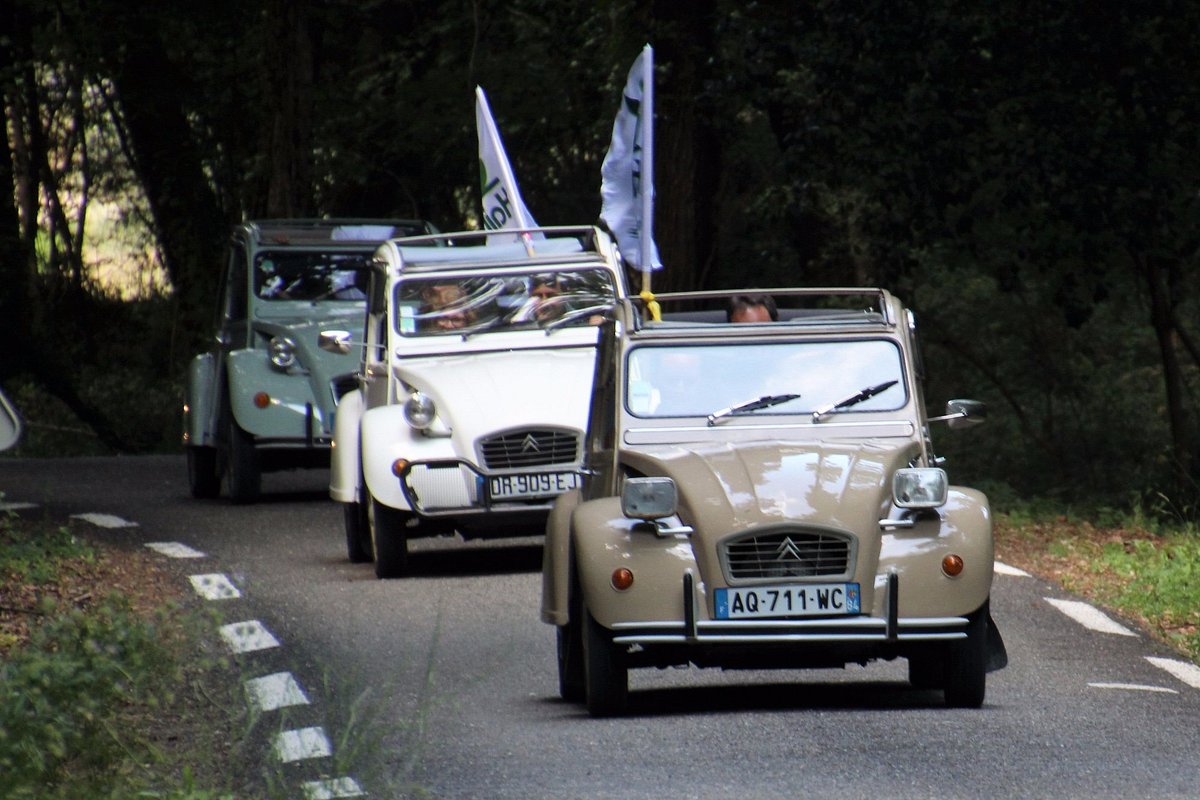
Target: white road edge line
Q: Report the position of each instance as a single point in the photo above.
(174, 550)
(248, 636)
(1187, 672)
(1004, 569)
(302, 744)
(214, 587)
(1090, 617)
(332, 788)
(17, 506)
(105, 520)
(279, 690)
(1133, 687)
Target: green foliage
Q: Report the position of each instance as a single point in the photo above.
(1163, 585)
(61, 699)
(37, 559)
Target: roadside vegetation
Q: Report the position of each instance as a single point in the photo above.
(1145, 569)
(107, 690)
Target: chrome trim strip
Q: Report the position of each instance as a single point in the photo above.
(868, 623)
(784, 638)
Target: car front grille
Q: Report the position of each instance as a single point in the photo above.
(788, 554)
(529, 447)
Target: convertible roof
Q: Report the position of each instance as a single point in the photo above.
(472, 249)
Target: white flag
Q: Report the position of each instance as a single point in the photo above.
(627, 175)
(502, 204)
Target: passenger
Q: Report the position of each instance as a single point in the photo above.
(548, 302)
(443, 309)
(751, 308)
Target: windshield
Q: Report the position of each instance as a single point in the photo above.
(699, 380)
(280, 275)
(440, 305)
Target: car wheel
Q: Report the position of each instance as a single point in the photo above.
(606, 676)
(203, 478)
(242, 473)
(570, 662)
(389, 539)
(358, 533)
(966, 664)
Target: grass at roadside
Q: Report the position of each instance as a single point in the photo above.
(106, 689)
(1140, 569)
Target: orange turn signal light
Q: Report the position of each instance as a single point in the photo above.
(262, 400)
(398, 467)
(622, 578)
(952, 565)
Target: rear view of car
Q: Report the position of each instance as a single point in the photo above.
(263, 397)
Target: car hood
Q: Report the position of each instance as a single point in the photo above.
(730, 487)
(485, 392)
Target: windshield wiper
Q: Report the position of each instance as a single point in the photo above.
(765, 401)
(852, 400)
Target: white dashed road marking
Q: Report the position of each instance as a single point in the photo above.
(1004, 569)
(1133, 687)
(174, 550)
(330, 789)
(105, 520)
(1089, 617)
(1185, 671)
(302, 744)
(214, 587)
(275, 691)
(246, 637)
(16, 506)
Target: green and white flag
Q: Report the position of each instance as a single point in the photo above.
(627, 174)
(502, 204)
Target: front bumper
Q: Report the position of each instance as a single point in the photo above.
(824, 641)
(456, 488)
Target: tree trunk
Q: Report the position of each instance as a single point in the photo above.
(1162, 319)
(289, 80)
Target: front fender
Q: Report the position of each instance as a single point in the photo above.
(915, 555)
(556, 560)
(344, 467)
(199, 413)
(604, 539)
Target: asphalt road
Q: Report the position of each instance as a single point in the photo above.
(443, 685)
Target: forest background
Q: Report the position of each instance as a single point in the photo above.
(1025, 175)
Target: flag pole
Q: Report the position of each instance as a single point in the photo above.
(647, 237)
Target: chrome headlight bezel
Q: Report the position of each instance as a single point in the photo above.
(420, 411)
(920, 487)
(649, 498)
(281, 351)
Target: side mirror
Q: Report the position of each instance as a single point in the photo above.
(334, 342)
(962, 414)
(10, 424)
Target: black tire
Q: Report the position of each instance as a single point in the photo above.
(606, 675)
(571, 686)
(570, 662)
(358, 533)
(203, 478)
(966, 664)
(243, 476)
(389, 540)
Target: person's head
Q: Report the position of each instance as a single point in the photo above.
(441, 301)
(547, 297)
(751, 308)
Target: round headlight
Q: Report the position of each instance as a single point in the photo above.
(282, 352)
(419, 410)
